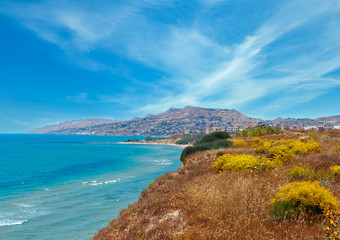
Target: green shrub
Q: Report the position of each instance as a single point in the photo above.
(298, 172)
(301, 173)
(213, 140)
(191, 139)
(259, 131)
(214, 136)
(205, 146)
(186, 151)
(219, 153)
(221, 144)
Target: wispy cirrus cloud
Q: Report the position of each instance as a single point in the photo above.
(238, 82)
(198, 69)
(80, 98)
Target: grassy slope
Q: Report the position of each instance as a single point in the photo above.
(195, 202)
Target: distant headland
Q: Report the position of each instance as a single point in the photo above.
(189, 120)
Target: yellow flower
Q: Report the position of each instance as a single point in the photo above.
(335, 170)
(335, 233)
(327, 229)
(331, 221)
(306, 194)
(229, 162)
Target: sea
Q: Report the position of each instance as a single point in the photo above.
(70, 186)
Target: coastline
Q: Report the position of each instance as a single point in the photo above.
(155, 143)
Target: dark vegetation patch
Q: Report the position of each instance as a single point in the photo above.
(211, 141)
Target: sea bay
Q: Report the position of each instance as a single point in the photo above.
(70, 186)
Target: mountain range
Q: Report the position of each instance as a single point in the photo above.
(174, 121)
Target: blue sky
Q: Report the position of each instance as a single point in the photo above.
(66, 60)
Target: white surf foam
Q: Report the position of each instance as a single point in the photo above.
(96, 183)
(11, 222)
(25, 205)
(162, 162)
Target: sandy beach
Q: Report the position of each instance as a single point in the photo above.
(154, 143)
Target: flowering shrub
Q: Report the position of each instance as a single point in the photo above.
(254, 145)
(337, 149)
(335, 170)
(297, 147)
(332, 230)
(282, 153)
(257, 140)
(267, 145)
(298, 172)
(313, 146)
(260, 150)
(309, 197)
(240, 143)
(243, 162)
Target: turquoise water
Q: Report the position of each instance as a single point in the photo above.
(68, 186)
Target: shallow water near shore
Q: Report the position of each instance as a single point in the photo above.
(66, 187)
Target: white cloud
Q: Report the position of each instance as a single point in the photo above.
(200, 70)
(80, 98)
(238, 80)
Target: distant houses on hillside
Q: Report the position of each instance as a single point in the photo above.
(284, 126)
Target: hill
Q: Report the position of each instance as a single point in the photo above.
(200, 202)
(84, 123)
(175, 121)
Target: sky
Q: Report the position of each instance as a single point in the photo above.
(67, 60)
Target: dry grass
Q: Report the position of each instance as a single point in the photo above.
(197, 203)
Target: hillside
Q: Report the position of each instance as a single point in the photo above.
(174, 121)
(85, 123)
(197, 202)
(333, 120)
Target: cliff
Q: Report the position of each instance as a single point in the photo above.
(196, 202)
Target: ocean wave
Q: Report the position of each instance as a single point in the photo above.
(96, 183)
(25, 205)
(16, 214)
(162, 162)
(11, 222)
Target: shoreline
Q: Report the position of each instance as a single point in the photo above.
(142, 143)
(155, 143)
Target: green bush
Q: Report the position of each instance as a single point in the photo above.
(205, 146)
(186, 151)
(214, 136)
(213, 140)
(259, 131)
(221, 144)
(219, 153)
(297, 172)
(301, 173)
(191, 139)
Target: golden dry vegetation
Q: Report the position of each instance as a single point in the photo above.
(197, 202)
